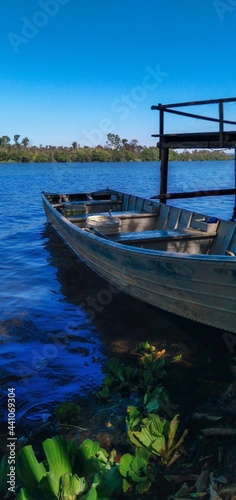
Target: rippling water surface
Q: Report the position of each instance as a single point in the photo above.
(58, 320)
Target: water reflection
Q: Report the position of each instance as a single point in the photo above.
(121, 320)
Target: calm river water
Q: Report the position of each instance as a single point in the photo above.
(58, 320)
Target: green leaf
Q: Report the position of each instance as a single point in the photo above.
(104, 392)
(151, 399)
(158, 445)
(172, 431)
(78, 484)
(110, 483)
(49, 485)
(109, 379)
(126, 485)
(29, 470)
(143, 487)
(24, 495)
(71, 486)
(134, 437)
(134, 417)
(139, 465)
(156, 424)
(91, 459)
(60, 455)
(91, 495)
(145, 437)
(124, 465)
(142, 453)
(102, 455)
(4, 470)
(88, 449)
(136, 478)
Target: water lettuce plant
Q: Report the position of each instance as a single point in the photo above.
(148, 368)
(136, 471)
(68, 471)
(56, 477)
(118, 375)
(155, 434)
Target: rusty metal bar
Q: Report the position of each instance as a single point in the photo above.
(164, 172)
(221, 120)
(193, 103)
(195, 194)
(200, 117)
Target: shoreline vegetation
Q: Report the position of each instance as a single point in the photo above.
(157, 427)
(115, 150)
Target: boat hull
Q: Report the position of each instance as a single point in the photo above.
(199, 287)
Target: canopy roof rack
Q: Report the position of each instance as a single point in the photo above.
(219, 139)
(193, 140)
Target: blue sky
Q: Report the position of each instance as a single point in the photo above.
(75, 71)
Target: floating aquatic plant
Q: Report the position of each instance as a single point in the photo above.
(155, 434)
(136, 471)
(69, 472)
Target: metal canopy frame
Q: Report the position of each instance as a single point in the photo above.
(168, 108)
(216, 140)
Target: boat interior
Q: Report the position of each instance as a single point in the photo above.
(146, 223)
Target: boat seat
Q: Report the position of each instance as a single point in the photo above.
(124, 215)
(163, 234)
(85, 206)
(73, 204)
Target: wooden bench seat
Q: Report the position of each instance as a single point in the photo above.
(91, 202)
(163, 234)
(124, 215)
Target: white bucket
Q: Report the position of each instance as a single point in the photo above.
(103, 224)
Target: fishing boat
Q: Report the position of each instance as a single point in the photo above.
(175, 259)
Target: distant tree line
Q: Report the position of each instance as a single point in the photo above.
(115, 150)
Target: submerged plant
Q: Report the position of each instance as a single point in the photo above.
(119, 376)
(155, 398)
(67, 412)
(149, 369)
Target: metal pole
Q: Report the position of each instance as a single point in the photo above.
(221, 119)
(164, 171)
(234, 211)
(161, 128)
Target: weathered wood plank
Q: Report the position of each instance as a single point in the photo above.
(197, 140)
